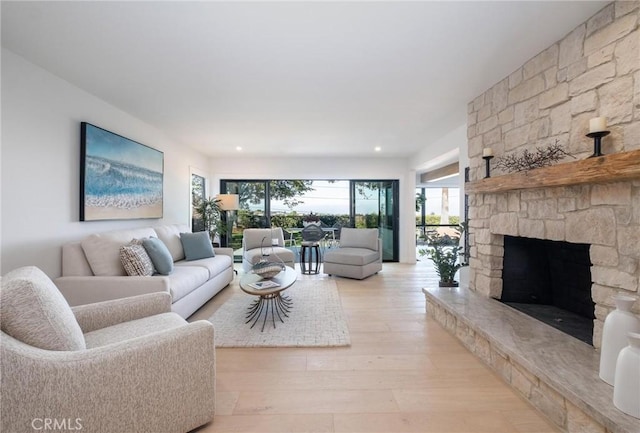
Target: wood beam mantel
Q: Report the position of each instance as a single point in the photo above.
(608, 168)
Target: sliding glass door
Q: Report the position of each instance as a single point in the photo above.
(285, 203)
(375, 205)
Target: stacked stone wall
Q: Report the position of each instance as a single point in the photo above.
(593, 71)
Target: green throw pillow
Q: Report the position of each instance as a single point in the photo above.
(160, 255)
(196, 245)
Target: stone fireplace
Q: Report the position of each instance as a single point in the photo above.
(604, 216)
(593, 71)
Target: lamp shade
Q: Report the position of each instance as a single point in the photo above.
(228, 201)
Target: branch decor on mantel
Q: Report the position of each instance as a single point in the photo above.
(527, 160)
(616, 167)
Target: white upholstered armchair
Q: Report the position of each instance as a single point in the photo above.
(127, 365)
(358, 256)
(256, 242)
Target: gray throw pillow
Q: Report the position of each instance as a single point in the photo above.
(196, 245)
(160, 255)
(34, 311)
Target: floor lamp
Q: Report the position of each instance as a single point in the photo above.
(227, 203)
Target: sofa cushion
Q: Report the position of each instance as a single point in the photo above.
(359, 238)
(185, 279)
(136, 260)
(34, 311)
(196, 245)
(103, 250)
(351, 256)
(160, 255)
(214, 265)
(170, 236)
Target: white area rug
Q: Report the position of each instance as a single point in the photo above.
(316, 319)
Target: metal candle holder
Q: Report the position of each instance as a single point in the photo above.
(487, 166)
(597, 142)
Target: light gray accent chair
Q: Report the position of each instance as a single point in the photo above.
(358, 256)
(256, 242)
(125, 365)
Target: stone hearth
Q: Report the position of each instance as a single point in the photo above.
(555, 372)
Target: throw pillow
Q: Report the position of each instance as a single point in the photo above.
(196, 245)
(135, 259)
(160, 255)
(34, 311)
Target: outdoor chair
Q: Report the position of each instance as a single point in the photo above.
(312, 235)
(289, 238)
(335, 241)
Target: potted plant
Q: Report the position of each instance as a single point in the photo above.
(209, 211)
(310, 219)
(443, 251)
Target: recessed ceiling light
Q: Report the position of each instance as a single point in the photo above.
(377, 148)
(238, 148)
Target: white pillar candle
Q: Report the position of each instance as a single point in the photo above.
(487, 151)
(598, 124)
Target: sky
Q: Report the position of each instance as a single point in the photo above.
(333, 198)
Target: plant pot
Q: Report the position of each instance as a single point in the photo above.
(448, 284)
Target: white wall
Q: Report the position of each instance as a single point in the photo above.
(331, 168)
(41, 117)
(450, 148)
(40, 157)
(442, 151)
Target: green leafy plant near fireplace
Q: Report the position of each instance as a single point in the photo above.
(444, 252)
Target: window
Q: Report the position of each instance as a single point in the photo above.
(198, 192)
(437, 209)
(337, 203)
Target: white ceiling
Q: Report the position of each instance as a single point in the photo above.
(290, 78)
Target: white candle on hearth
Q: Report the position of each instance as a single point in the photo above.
(598, 124)
(487, 151)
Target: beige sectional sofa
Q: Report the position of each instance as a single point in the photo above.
(92, 271)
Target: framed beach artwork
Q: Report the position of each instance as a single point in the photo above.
(119, 178)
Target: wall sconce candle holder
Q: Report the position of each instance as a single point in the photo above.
(597, 142)
(487, 165)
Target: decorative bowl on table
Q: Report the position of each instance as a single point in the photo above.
(266, 269)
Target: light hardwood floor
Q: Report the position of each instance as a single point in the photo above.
(402, 373)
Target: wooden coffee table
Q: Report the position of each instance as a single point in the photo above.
(269, 301)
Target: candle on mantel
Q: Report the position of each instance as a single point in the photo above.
(487, 151)
(598, 124)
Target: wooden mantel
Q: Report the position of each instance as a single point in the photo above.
(607, 168)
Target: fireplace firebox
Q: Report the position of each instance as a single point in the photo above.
(550, 281)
